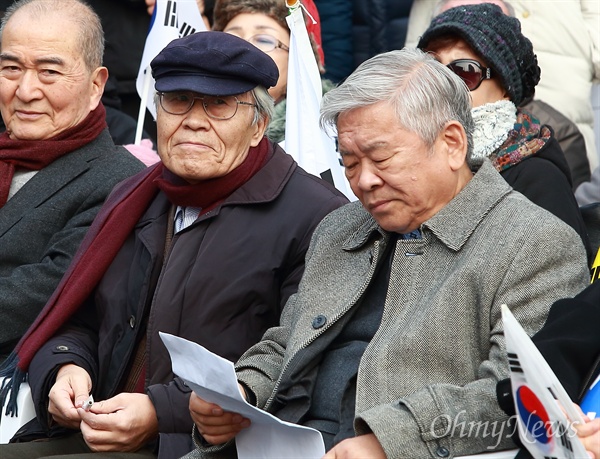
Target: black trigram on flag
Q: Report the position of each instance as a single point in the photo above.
(171, 14)
(563, 434)
(186, 30)
(513, 362)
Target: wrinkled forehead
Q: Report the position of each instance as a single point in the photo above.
(55, 29)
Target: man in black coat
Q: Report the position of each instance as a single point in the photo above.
(208, 244)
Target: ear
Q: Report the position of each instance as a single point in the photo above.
(259, 131)
(98, 81)
(454, 138)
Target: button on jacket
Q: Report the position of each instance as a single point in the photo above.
(223, 283)
(439, 351)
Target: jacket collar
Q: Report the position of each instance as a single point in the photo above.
(52, 178)
(366, 228)
(455, 222)
(266, 185)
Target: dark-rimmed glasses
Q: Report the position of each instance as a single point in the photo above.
(216, 107)
(267, 43)
(471, 72)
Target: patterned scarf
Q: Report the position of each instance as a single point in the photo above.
(506, 135)
(524, 140)
(37, 154)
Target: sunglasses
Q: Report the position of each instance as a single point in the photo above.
(471, 72)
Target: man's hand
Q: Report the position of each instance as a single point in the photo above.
(357, 448)
(70, 390)
(214, 424)
(589, 434)
(125, 423)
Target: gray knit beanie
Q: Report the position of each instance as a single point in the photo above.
(497, 38)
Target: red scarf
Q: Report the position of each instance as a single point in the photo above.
(115, 221)
(37, 154)
(209, 193)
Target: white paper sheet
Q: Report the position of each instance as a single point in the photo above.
(213, 379)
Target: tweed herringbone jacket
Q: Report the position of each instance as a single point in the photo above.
(426, 382)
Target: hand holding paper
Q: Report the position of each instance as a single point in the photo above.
(214, 424)
(213, 379)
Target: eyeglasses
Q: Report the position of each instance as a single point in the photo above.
(267, 43)
(216, 107)
(471, 72)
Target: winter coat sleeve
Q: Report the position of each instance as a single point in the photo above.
(76, 343)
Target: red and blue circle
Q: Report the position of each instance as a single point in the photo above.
(534, 416)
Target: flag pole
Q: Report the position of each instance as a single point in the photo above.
(143, 103)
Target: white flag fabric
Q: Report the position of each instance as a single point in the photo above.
(312, 148)
(171, 19)
(538, 394)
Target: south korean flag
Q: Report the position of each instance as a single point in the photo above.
(545, 413)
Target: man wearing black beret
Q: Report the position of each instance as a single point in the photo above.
(208, 245)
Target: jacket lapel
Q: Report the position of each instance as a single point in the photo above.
(46, 183)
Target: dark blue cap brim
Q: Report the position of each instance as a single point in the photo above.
(203, 84)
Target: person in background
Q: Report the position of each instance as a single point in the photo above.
(563, 38)
(420, 265)
(589, 192)
(208, 245)
(486, 48)
(566, 132)
(126, 25)
(356, 30)
(262, 23)
(57, 160)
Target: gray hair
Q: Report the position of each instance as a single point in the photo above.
(425, 94)
(265, 106)
(91, 35)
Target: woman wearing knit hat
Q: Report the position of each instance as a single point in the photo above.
(496, 61)
(262, 23)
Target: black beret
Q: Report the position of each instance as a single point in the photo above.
(497, 38)
(213, 63)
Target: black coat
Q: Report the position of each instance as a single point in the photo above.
(353, 31)
(225, 281)
(545, 179)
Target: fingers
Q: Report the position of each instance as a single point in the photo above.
(214, 424)
(589, 434)
(70, 391)
(589, 428)
(227, 427)
(125, 422)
